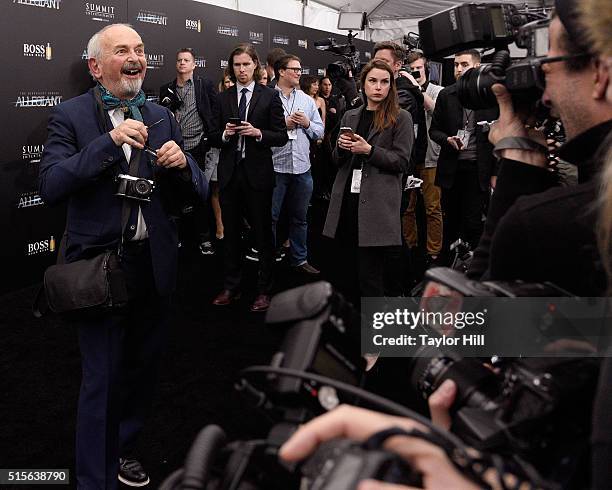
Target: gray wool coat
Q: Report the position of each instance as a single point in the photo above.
(379, 220)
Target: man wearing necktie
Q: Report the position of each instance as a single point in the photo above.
(249, 121)
(91, 140)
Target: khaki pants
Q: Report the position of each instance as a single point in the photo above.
(433, 212)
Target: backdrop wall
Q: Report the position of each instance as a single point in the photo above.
(44, 58)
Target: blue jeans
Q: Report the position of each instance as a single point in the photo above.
(294, 192)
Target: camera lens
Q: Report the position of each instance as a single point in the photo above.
(474, 88)
(142, 187)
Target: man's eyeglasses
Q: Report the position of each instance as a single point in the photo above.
(294, 70)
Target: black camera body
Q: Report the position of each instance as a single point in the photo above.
(137, 188)
(347, 51)
(172, 101)
(491, 25)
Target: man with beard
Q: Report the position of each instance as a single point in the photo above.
(91, 139)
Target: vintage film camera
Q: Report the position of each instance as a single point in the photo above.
(136, 188)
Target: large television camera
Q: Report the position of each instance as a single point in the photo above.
(491, 25)
(348, 52)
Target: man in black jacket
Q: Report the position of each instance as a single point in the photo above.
(465, 164)
(246, 171)
(191, 99)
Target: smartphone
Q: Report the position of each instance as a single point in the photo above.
(348, 132)
(235, 121)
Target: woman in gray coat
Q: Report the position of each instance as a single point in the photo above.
(364, 212)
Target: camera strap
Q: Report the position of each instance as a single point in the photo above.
(134, 165)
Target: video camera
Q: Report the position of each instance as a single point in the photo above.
(348, 52)
(491, 25)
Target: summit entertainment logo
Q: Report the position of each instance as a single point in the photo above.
(154, 61)
(100, 13)
(256, 37)
(38, 99)
(149, 17)
(200, 62)
(47, 4)
(38, 51)
(32, 153)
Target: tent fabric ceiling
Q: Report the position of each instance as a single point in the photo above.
(401, 9)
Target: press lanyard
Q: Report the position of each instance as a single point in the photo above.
(289, 112)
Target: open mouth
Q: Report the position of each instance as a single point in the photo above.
(132, 72)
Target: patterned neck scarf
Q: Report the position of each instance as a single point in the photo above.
(131, 107)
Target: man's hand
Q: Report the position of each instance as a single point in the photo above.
(405, 74)
(170, 155)
(455, 142)
(440, 403)
(131, 132)
(290, 123)
(301, 119)
(358, 424)
(247, 129)
(510, 124)
(230, 129)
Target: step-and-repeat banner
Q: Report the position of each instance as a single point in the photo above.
(43, 55)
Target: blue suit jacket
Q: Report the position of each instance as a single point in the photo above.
(80, 163)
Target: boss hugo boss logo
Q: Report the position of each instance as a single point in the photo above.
(193, 24)
(149, 17)
(44, 51)
(303, 43)
(321, 72)
(48, 4)
(305, 70)
(41, 246)
(225, 30)
(99, 12)
(38, 99)
(223, 63)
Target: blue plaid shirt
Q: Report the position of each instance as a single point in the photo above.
(294, 157)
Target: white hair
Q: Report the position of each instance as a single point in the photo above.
(94, 46)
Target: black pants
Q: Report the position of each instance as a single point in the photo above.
(120, 353)
(201, 209)
(462, 205)
(235, 198)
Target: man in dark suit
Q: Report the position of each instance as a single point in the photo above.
(465, 164)
(246, 171)
(91, 138)
(191, 99)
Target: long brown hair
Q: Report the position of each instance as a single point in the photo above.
(240, 49)
(388, 110)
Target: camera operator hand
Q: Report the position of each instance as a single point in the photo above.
(440, 403)
(131, 132)
(170, 155)
(510, 124)
(438, 472)
(405, 74)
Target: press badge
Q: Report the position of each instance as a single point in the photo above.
(356, 181)
(464, 136)
(292, 133)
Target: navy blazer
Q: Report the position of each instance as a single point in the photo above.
(266, 114)
(79, 165)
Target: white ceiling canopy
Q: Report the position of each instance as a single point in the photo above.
(391, 19)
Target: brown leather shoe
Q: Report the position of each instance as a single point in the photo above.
(226, 297)
(261, 303)
(307, 268)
